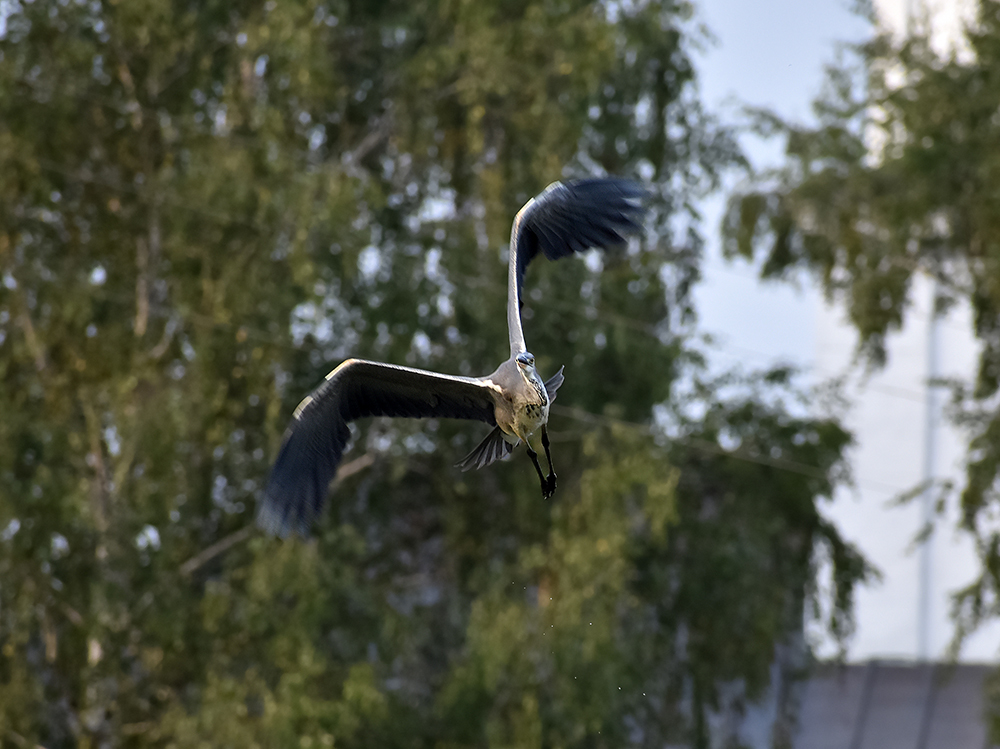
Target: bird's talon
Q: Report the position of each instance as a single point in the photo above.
(549, 489)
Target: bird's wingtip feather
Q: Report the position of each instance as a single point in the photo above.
(271, 520)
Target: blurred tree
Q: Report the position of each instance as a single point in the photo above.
(203, 208)
(899, 180)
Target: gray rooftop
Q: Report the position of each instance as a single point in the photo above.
(893, 705)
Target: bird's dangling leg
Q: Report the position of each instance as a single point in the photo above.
(549, 484)
(538, 469)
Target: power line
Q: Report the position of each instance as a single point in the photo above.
(615, 318)
(221, 216)
(609, 316)
(707, 446)
(891, 390)
(580, 414)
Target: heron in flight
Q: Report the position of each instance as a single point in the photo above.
(566, 218)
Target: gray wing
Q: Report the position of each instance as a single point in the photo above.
(553, 384)
(315, 440)
(567, 218)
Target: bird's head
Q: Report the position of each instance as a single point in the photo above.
(526, 365)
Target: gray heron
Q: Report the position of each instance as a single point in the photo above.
(566, 218)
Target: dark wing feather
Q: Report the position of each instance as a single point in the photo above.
(572, 217)
(492, 448)
(316, 438)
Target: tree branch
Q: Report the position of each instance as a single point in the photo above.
(207, 555)
(221, 546)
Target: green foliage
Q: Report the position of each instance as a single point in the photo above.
(899, 178)
(203, 209)
(552, 655)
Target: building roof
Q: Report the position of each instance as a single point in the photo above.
(893, 705)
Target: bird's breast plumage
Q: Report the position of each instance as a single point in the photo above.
(534, 412)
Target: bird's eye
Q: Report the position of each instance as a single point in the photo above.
(526, 360)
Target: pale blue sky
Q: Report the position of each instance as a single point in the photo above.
(767, 53)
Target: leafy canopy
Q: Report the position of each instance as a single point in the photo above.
(204, 207)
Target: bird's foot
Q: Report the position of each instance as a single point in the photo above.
(549, 486)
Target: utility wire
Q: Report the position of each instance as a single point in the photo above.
(614, 318)
(707, 446)
(606, 315)
(896, 391)
(584, 416)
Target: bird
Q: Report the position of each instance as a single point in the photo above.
(564, 219)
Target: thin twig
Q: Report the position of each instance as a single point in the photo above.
(21, 741)
(99, 486)
(356, 465)
(207, 555)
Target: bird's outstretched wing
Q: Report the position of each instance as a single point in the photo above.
(568, 217)
(315, 440)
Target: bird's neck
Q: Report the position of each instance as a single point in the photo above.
(513, 298)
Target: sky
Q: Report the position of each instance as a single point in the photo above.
(769, 53)
(772, 53)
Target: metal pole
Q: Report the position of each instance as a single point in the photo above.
(930, 441)
(927, 500)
